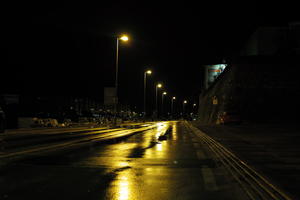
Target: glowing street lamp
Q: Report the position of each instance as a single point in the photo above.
(148, 72)
(162, 102)
(159, 85)
(183, 105)
(172, 102)
(194, 108)
(123, 38)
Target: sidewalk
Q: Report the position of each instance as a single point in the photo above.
(272, 149)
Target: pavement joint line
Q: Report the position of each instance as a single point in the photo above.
(244, 187)
(209, 179)
(236, 170)
(199, 152)
(227, 165)
(244, 173)
(201, 155)
(256, 181)
(223, 157)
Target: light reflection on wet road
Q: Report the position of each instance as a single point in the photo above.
(140, 167)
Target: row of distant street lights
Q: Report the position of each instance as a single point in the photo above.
(125, 38)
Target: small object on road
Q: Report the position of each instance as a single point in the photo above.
(162, 137)
(168, 131)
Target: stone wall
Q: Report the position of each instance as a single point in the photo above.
(258, 92)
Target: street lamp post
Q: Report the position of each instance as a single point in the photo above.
(172, 104)
(183, 105)
(145, 82)
(162, 102)
(125, 39)
(156, 88)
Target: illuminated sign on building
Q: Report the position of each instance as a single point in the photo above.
(211, 73)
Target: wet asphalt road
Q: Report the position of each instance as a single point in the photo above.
(139, 167)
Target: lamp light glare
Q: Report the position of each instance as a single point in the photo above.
(124, 38)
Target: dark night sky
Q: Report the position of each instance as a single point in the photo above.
(69, 48)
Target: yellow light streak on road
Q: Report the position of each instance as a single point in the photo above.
(174, 132)
(159, 147)
(123, 187)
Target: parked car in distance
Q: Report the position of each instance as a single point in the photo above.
(49, 122)
(66, 123)
(229, 117)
